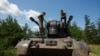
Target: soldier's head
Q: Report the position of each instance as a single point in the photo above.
(43, 13)
(62, 11)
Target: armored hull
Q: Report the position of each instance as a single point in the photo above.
(52, 47)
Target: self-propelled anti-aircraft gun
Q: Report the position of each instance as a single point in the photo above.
(54, 39)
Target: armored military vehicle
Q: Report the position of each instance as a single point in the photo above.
(54, 40)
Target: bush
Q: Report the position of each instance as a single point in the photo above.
(7, 52)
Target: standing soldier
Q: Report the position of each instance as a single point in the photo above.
(41, 19)
(63, 16)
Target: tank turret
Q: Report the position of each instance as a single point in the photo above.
(53, 28)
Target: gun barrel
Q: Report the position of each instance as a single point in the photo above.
(70, 18)
(32, 19)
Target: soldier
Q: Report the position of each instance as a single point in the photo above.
(63, 16)
(65, 27)
(41, 19)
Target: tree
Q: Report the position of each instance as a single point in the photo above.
(87, 28)
(98, 30)
(91, 31)
(11, 32)
(76, 31)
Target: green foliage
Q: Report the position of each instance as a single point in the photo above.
(76, 31)
(9, 52)
(91, 31)
(98, 27)
(11, 32)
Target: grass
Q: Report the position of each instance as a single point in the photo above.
(95, 50)
(8, 52)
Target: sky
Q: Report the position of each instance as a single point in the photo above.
(22, 10)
